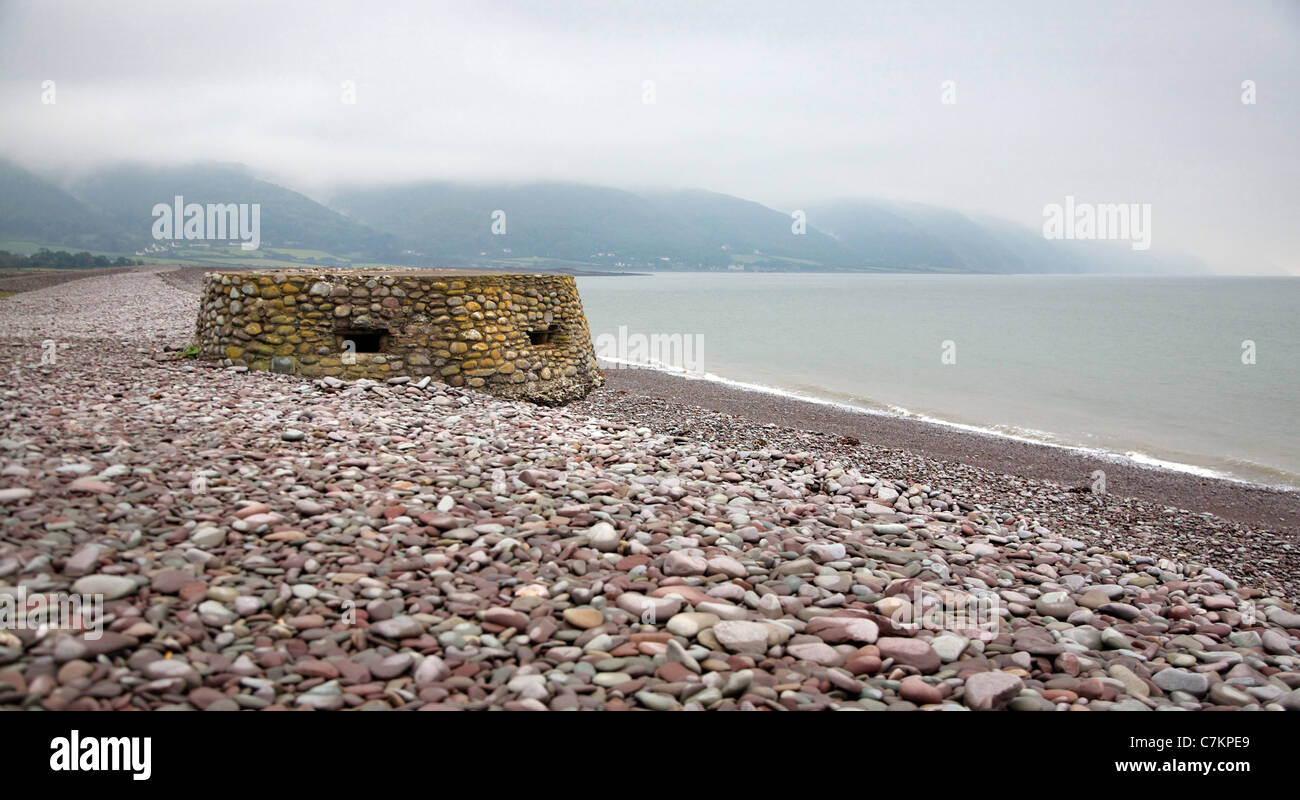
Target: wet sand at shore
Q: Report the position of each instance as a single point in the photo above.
(1263, 507)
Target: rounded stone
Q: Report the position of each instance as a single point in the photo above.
(689, 623)
(584, 618)
(112, 587)
(912, 652)
(740, 636)
(988, 691)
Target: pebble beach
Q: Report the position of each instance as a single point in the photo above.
(269, 542)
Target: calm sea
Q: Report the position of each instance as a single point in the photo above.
(1151, 369)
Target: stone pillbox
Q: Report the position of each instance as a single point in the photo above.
(516, 336)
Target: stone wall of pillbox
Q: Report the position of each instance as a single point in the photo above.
(516, 336)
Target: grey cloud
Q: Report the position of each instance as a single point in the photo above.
(786, 104)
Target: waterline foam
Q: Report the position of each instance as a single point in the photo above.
(1025, 435)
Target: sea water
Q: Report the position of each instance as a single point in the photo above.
(1194, 373)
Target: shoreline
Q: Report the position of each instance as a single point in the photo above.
(1269, 507)
(411, 545)
(1131, 459)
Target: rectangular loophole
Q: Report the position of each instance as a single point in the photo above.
(363, 340)
(544, 337)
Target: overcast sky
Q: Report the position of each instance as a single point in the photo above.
(784, 103)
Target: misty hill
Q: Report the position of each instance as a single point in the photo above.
(453, 223)
(551, 224)
(746, 229)
(917, 237)
(127, 194)
(32, 209)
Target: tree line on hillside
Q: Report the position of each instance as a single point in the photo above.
(46, 259)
